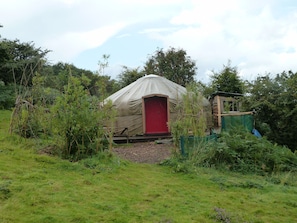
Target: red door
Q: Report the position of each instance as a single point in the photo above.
(156, 116)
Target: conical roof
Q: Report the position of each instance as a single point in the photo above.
(147, 85)
(128, 98)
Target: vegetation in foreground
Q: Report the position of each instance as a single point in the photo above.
(36, 187)
(236, 150)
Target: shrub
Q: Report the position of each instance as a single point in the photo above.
(78, 122)
(240, 151)
(30, 117)
(191, 117)
(243, 152)
(7, 96)
(25, 119)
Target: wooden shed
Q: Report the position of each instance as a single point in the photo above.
(225, 104)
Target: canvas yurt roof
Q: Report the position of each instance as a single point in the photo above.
(129, 101)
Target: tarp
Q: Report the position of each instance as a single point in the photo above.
(190, 143)
(246, 121)
(128, 101)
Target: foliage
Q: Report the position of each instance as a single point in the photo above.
(78, 122)
(30, 114)
(128, 76)
(244, 152)
(105, 85)
(7, 96)
(226, 80)
(240, 151)
(75, 121)
(56, 77)
(40, 93)
(26, 119)
(174, 64)
(19, 61)
(275, 103)
(191, 119)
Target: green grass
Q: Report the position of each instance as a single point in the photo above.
(41, 188)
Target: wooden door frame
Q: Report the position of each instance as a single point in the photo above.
(143, 109)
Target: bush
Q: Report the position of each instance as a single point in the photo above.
(243, 152)
(73, 120)
(26, 123)
(7, 96)
(30, 115)
(240, 151)
(78, 122)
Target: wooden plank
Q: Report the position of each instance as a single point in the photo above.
(219, 111)
(237, 113)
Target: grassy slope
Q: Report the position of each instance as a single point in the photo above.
(39, 188)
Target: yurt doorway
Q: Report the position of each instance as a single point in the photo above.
(155, 112)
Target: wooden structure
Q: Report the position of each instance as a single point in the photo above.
(225, 104)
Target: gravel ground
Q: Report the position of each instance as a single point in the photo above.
(145, 152)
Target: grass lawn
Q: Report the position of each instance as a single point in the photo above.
(40, 188)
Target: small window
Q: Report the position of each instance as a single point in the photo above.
(230, 106)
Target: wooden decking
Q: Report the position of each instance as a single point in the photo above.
(141, 138)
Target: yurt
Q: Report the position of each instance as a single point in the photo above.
(146, 106)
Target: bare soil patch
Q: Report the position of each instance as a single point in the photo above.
(145, 152)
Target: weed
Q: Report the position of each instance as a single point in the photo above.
(283, 178)
(291, 204)
(5, 192)
(228, 183)
(221, 215)
(103, 161)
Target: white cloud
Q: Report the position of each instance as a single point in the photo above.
(70, 27)
(76, 42)
(158, 30)
(249, 35)
(123, 35)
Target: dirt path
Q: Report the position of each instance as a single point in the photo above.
(145, 152)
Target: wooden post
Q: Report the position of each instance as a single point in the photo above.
(143, 115)
(219, 111)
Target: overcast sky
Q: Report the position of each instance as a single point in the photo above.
(258, 36)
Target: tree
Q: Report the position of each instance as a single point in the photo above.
(227, 80)
(57, 75)
(128, 76)
(19, 61)
(275, 103)
(173, 64)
